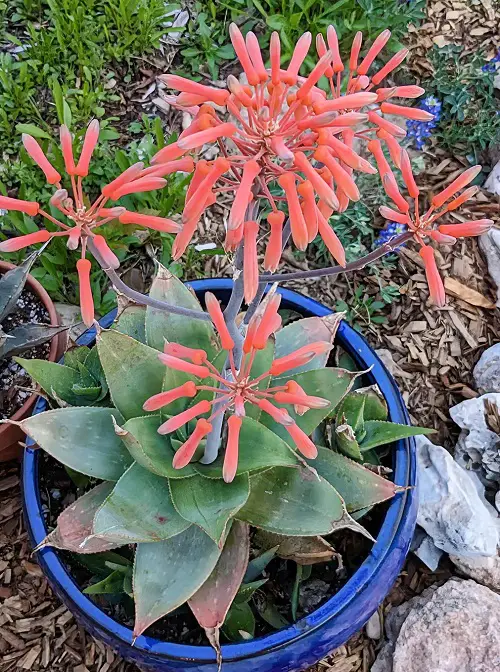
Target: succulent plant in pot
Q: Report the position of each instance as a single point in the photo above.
(27, 321)
(218, 432)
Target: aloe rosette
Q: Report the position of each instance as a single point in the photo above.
(198, 517)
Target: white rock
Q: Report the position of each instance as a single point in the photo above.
(493, 182)
(487, 370)
(490, 246)
(373, 626)
(428, 552)
(453, 628)
(477, 447)
(497, 501)
(482, 570)
(450, 508)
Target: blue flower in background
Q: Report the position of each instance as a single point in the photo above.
(419, 131)
(391, 230)
(492, 65)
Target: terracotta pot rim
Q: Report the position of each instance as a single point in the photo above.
(55, 343)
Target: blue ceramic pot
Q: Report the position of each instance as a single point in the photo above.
(307, 641)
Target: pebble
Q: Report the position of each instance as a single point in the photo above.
(487, 370)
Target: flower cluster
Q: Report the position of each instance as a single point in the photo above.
(82, 218)
(425, 225)
(284, 129)
(233, 393)
(390, 231)
(419, 131)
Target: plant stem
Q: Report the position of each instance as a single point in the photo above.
(142, 298)
(336, 270)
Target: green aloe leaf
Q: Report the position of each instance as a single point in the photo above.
(57, 380)
(359, 487)
(379, 433)
(64, 433)
(168, 573)
(150, 449)
(12, 284)
(346, 441)
(351, 412)
(27, 336)
(76, 356)
(139, 509)
(331, 384)
(132, 322)
(133, 371)
(208, 502)
(246, 591)
(211, 602)
(296, 502)
(258, 564)
(304, 332)
(162, 326)
(73, 531)
(375, 404)
(260, 448)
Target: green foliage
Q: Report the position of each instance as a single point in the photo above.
(206, 41)
(469, 119)
(189, 525)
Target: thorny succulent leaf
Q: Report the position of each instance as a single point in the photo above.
(27, 336)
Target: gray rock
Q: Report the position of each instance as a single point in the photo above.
(487, 370)
(493, 182)
(453, 628)
(490, 246)
(478, 448)
(483, 570)
(373, 626)
(428, 552)
(450, 508)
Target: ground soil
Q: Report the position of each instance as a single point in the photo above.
(15, 384)
(434, 353)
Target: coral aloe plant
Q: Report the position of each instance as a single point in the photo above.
(201, 423)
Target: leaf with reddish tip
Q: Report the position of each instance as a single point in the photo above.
(211, 602)
(307, 331)
(168, 573)
(359, 487)
(163, 326)
(74, 525)
(139, 509)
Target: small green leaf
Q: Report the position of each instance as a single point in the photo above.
(31, 129)
(351, 412)
(64, 433)
(111, 585)
(246, 591)
(240, 623)
(139, 509)
(260, 449)
(76, 356)
(379, 433)
(27, 336)
(209, 503)
(168, 573)
(346, 441)
(375, 404)
(56, 380)
(150, 449)
(258, 564)
(133, 371)
(294, 501)
(269, 612)
(359, 487)
(162, 326)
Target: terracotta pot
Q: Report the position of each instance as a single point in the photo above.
(10, 435)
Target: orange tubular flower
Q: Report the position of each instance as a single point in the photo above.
(81, 220)
(426, 224)
(274, 129)
(232, 395)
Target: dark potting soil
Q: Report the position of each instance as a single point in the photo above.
(15, 384)
(273, 599)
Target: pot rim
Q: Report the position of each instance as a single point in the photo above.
(395, 533)
(41, 293)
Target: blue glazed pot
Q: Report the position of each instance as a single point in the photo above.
(291, 649)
